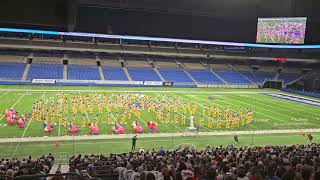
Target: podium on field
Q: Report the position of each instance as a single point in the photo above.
(191, 128)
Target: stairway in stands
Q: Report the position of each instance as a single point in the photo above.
(126, 70)
(26, 71)
(207, 66)
(237, 70)
(99, 68)
(184, 69)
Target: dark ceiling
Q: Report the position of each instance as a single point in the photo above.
(223, 20)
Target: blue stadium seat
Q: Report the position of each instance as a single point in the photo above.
(288, 77)
(11, 70)
(233, 77)
(205, 76)
(143, 74)
(114, 73)
(82, 72)
(258, 77)
(45, 71)
(175, 75)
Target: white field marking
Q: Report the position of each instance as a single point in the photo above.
(258, 111)
(128, 136)
(113, 105)
(171, 123)
(223, 122)
(284, 109)
(197, 113)
(15, 104)
(185, 138)
(59, 129)
(86, 108)
(155, 91)
(25, 129)
(236, 106)
(288, 107)
(4, 94)
(177, 126)
(292, 117)
(271, 112)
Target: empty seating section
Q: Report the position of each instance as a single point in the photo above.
(291, 70)
(81, 72)
(114, 73)
(220, 67)
(174, 75)
(11, 70)
(89, 62)
(288, 77)
(137, 64)
(161, 64)
(111, 63)
(82, 59)
(143, 74)
(243, 68)
(204, 76)
(271, 69)
(194, 65)
(45, 71)
(47, 58)
(233, 77)
(258, 77)
(12, 59)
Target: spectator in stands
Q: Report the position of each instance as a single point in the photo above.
(249, 163)
(15, 167)
(150, 176)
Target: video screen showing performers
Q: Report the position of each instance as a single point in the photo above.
(281, 30)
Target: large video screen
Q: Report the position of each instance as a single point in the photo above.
(281, 30)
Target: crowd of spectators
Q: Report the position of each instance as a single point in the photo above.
(296, 162)
(26, 166)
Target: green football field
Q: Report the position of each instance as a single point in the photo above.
(269, 114)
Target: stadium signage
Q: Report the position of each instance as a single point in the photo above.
(43, 81)
(153, 83)
(167, 83)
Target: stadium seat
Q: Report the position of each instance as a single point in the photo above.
(143, 74)
(288, 77)
(11, 71)
(114, 73)
(80, 72)
(175, 75)
(45, 71)
(258, 77)
(233, 77)
(205, 76)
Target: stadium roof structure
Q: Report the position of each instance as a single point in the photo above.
(160, 39)
(42, 40)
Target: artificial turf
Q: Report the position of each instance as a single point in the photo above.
(269, 113)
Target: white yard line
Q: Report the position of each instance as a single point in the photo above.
(285, 122)
(171, 123)
(237, 106)
(129, 136)
(25, 129)
(15, 103)
(204, 100)
(4, 94)
(284, 107)
(87, 115)
(292, 117)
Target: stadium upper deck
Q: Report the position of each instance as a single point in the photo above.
(133, 60)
